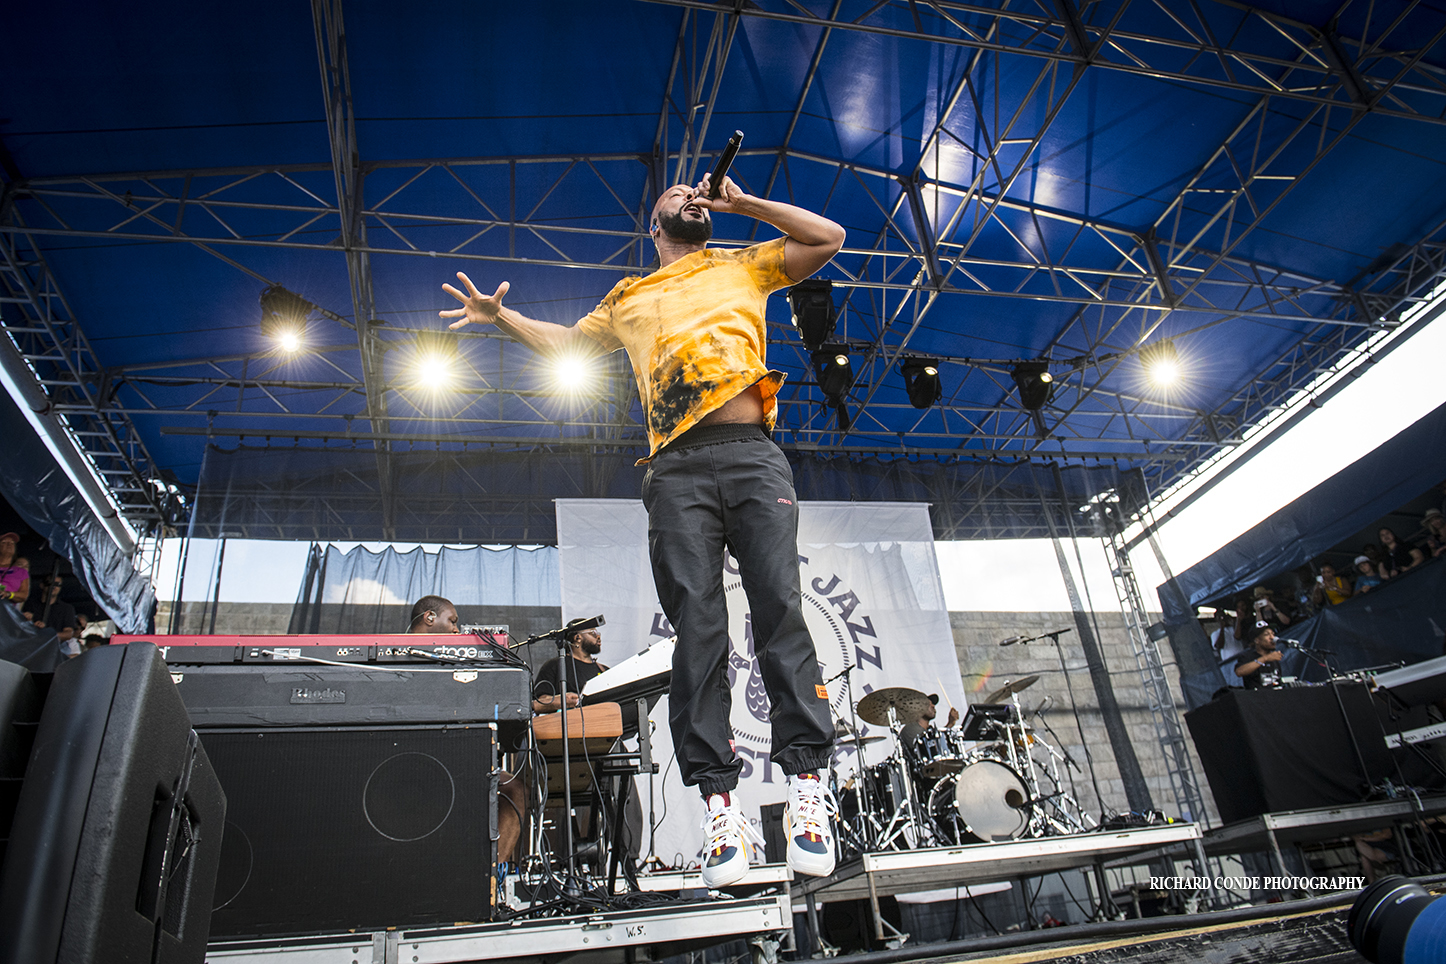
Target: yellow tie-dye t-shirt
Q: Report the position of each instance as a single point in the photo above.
(694, 331)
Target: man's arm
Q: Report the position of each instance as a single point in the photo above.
(812, 238)
(543, 337)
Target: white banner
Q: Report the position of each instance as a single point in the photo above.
(872, 598)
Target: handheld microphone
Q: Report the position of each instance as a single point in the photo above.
(725, 161)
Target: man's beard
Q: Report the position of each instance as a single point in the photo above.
(589, 646)
(683, 229)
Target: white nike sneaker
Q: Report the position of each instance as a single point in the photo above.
(808, 821)
(729, 837)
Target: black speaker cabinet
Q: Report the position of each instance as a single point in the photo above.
(357, 827)
(117, 829)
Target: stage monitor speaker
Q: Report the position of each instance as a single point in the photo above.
(341, 828)
(20, 704)
(117, 829)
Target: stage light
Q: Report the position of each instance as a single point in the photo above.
(434, 372)
(435, 364)
(1035, 384)
(834, 373)
(284, 316)
(1161, 362)
(921, 381)
(570, 374)
(814, 315)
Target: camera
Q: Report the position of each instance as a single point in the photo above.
(1396, 921)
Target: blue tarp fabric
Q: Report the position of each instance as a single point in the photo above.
(47, 500)
(360, 591)
(1394, 473)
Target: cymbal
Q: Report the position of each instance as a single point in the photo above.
(1009, 689)
(908, 704)
(851, 740)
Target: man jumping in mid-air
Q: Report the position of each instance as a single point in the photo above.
(694, 331)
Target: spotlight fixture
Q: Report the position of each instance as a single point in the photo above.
(434, 363)
(834, 373)
(1161, 362)
(1035, 384)
(814, 315)
(921, 381)
(569, 371)
(283, 317)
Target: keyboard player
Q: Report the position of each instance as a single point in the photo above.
(583, 646)
(432, 615)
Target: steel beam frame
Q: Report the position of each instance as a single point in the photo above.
(1126, 283)
(1361, 60)
(38, 318)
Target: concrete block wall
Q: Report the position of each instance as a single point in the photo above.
(986, 666)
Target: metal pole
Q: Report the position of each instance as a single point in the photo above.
(216, 599)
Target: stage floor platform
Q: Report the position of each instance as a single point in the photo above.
(904, 871)
(760, 877)
(600, 938)
(1269, 831)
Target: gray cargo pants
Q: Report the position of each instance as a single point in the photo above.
(729, 485)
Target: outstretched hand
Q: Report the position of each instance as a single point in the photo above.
(729, 199)
(477, 308)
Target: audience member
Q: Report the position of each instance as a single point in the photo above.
(1397, 556)
(1244, 618)
(1263, 608)
(1435, 526)
(1373, 552)
(14, 571)
(1330, 589)
(1367, 578)
(1223, 640)
(57, 614)
(1304, 582)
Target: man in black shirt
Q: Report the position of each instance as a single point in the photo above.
(583, 645)
(55, 613)
(1259, 666)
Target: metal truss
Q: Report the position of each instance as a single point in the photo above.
(955, 227)
(1362, 59)
(37, 317)
(894, 268)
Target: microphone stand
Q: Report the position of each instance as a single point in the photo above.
(865, 804)
(1053, 637)
(1325, 657)
(562, 667)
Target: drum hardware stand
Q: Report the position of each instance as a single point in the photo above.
(906, 816)
(866, 809)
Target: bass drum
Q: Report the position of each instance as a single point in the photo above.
(984, 802)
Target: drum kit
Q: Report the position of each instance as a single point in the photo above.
(993, 777)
